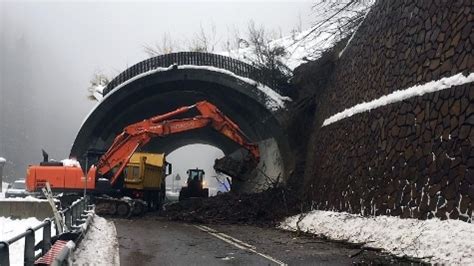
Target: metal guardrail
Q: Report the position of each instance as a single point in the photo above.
(193, 58)
(73, 216)
(74, 213)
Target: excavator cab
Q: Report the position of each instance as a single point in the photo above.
(194, 188)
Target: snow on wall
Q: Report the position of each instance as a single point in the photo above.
(274, 100)
(400, 95)
(436, 241)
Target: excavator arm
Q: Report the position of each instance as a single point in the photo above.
(137, 135)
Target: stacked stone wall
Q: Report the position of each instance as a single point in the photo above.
(413, 158)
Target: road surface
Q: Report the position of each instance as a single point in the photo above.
(155, 241)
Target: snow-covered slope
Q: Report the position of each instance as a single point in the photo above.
(300, 48)
(308, 45)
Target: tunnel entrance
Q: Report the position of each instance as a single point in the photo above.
(194, 156)
(145, 90)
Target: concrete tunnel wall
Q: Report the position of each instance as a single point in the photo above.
(160, 92)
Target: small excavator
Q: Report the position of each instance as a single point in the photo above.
(104, 182)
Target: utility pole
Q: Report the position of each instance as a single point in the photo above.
(2, 163)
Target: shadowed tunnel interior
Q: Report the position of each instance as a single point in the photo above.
(164, 91)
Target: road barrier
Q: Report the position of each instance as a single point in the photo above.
(74, 216)
(24, 209)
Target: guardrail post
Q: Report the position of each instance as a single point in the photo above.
(73, 215)
(29, 255)
(56, 229)
(46, 237)
(67, 217)
(4, 253)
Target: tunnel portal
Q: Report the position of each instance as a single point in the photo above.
(166, 82)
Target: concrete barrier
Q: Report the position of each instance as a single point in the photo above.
(24, 209)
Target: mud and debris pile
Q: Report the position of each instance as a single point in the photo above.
(264, 208)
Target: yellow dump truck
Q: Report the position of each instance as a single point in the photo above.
(145, 177)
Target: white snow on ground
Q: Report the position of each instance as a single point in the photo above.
(446, 242)
(13, 227)
(2, 160)
(400, 95)
(99, 246)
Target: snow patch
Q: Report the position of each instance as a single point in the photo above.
(435, 241)
(100, 244)
(97, 91)
(2, 160)
(71, 163)
(400, 95)
(12, 227)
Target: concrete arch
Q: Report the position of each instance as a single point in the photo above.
(161, 90)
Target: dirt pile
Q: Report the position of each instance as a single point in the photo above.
(264, 208)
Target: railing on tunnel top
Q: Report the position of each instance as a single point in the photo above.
(193, 58)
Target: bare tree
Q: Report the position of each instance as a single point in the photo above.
(205, 40)
(234, 40)
(166, 45)
(339, 17)
(268, 56)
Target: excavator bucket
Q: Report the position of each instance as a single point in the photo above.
(234, 168)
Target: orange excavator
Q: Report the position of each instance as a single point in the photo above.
(104, 178)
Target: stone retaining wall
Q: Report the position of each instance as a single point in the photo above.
(414, 158)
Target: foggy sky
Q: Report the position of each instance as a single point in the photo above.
(50, 50)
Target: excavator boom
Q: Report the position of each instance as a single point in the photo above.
(137, 135)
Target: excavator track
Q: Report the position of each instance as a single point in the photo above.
(119, 207)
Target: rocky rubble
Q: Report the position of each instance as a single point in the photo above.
(264, 208)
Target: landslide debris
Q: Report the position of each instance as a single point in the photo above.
(264, 208)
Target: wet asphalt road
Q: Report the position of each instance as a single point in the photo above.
(156, 241)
